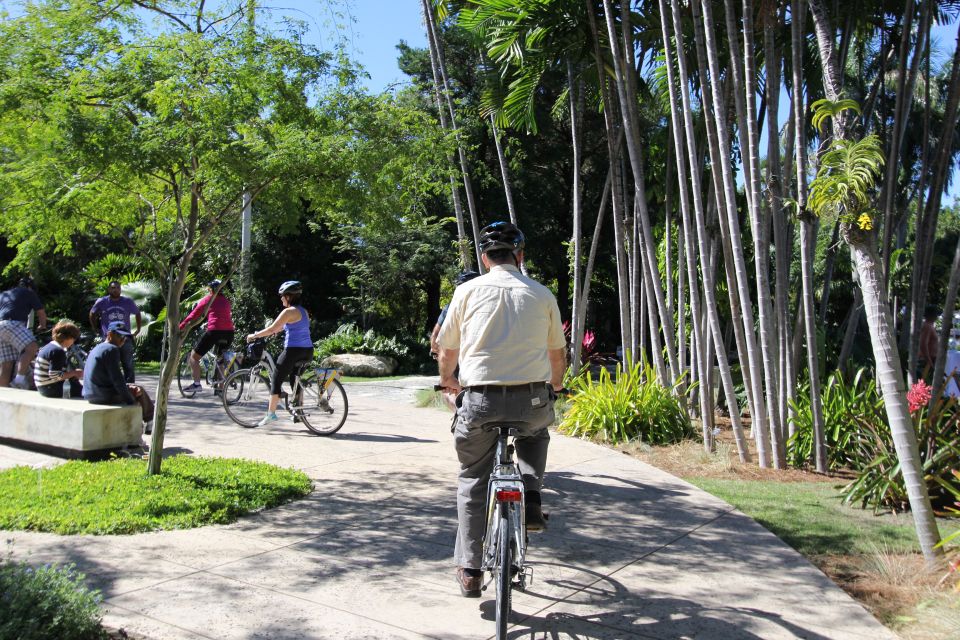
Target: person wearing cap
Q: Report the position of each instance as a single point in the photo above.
(111, 308)
(503, 330)
(220, 329)
(103, 381)
(297, 344)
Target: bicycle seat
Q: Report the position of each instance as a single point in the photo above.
(512, 427)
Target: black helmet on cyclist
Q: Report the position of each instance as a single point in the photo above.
(215, 283)
(291, 286)
(26, 281)
(501, 235)
(465, 276)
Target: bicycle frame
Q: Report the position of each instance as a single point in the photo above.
(506, 495)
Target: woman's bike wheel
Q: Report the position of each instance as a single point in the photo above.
(249, 395)
(322, 411)
(502, 573)
(185, 375)
(231, 389)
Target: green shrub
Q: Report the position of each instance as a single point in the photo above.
(47, 603)
(631, 405)
(854, 420)
(349, 339)
(879, 483)
(117, 496)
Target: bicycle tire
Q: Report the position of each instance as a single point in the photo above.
(250, 403)
(323, 412)
(231, 390)
(185, 375)
(502, 573)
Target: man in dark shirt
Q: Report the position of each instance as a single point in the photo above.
(103, 381)
(17, 342)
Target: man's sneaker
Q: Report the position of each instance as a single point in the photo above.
(267, 419)
(193, 387)
(20, 384)
(470, 581)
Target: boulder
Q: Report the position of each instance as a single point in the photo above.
(356, 364)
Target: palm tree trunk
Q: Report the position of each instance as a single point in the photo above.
(890, 377)
(711, 313)
(624, 71)
(730, 227)
(436, 48)
(882, 335)
(576, 335)
(464, 244)
(504, 172)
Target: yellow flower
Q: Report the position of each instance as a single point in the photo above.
(865, 222)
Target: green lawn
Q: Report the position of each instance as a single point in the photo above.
(810, 517)
(117, 496)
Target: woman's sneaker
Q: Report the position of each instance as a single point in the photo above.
(267, 419)
(194, 387)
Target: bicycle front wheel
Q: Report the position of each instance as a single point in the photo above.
(185, 376)
(232, 387)
(502, 573)
(322, 411)
(248, 395)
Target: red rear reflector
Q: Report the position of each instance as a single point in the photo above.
(508, 496)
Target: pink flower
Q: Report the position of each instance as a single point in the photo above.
(919, 395)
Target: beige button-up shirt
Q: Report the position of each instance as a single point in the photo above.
(503, 323)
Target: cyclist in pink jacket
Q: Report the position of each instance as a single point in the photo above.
(219, 328)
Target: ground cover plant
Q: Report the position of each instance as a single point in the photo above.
(118, 497)
(47, 603)
(628, 405)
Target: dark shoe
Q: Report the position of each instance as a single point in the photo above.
(469, 584)
(536, 520)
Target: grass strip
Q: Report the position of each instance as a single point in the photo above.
(810, 517)
(118, 497)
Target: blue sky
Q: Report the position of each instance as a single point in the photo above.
(371, 30)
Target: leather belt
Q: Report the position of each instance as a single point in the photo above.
(503, 388)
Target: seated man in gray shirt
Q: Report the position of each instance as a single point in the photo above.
(103, 381)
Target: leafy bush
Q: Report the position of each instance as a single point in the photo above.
(350, 339)
(117, 496)
(951, 541)
(854, 419)
(631, 405)
(47, 603)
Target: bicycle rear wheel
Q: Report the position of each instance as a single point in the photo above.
(249, 395)
(502, 573)
(322, 411)
(185, 375)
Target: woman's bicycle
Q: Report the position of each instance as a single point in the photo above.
(316, 397)
(215, 366)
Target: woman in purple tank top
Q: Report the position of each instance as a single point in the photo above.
(297, 345)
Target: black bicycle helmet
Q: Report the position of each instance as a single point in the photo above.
(465, 276)
(26, 281)
(215, 283)
(290, 286)
(501, 235)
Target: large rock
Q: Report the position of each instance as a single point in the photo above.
(356, 364)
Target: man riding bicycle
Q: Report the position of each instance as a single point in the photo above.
(504, 330)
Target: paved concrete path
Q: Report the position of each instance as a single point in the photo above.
(631, 552)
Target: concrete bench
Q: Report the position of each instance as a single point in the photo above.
(69, 428)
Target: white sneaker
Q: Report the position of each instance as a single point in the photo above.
(267, 419)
